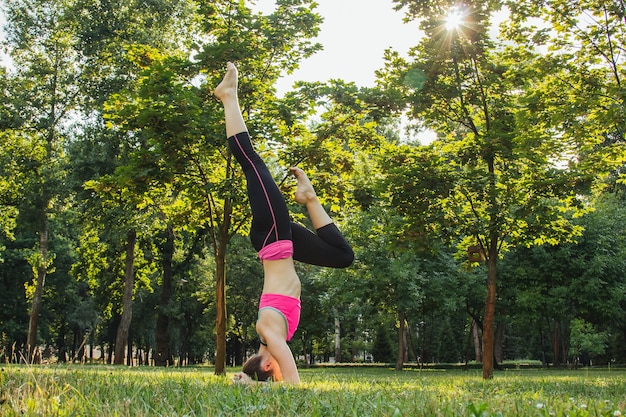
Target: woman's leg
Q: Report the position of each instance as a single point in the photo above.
(269, 211)
(270, 217)
(326, 247)
(226, 92)
(305, 195)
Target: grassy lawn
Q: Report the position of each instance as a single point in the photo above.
(72, 390)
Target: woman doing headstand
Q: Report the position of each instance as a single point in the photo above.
(278, 242)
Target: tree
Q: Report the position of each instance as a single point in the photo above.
(587, 90)
(13, 151)
(585, 341)
(507, 190)
(119, 42)
(582, 98)
(242, 291)
(162, 113)
(42, 47)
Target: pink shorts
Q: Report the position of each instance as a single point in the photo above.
(281, 249)
(286, 306)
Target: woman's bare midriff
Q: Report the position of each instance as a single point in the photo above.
(281, 278)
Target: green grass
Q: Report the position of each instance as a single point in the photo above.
(71, 390)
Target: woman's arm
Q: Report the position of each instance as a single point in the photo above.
(279, 349)
(271, 328)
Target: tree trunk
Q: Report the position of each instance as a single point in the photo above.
(557, 343)
(62, 343)
(41, 267)
(563, 345)
(492, 272)
(163, 356)
(337, 336)
(401, 344)
(129, 351)
(499, 342)
(220, 287)
(220, 320)
(478, 349)
(310, 355)
(405, 342)
(109, 354)
(127, 302)
(488, 322)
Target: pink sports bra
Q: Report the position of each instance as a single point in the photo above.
(285, 305)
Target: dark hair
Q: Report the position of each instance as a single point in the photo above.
(254, 368)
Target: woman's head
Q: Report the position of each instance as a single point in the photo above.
(262, 368)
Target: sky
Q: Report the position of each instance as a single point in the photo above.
(354, 35)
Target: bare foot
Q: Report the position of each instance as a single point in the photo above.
(228, 87)
(304, 189)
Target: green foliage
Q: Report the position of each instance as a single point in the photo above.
(245, 282)
(14, 160)
(557, 284)
(382, 348)
(584, 339)
(586, 90)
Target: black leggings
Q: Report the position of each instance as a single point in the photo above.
(270, 217)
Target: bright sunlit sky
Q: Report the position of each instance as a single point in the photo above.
(354, 34)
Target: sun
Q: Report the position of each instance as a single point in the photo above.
(454, 19)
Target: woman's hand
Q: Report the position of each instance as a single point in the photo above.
(242, 378)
